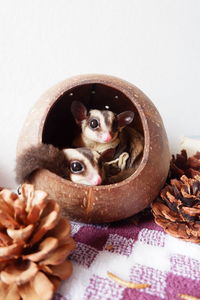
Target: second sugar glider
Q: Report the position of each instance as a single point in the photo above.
(81, 165)
(103, 129)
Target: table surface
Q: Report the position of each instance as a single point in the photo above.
(135, 250)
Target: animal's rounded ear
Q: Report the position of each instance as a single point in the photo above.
(79, 111)
(125, 118)
(107, 155)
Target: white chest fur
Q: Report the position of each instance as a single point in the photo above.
(99, 147)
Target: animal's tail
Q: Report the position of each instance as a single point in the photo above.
(41, 156)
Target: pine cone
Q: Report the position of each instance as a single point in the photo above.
(182, 165)
(178, 208)
(34, 245)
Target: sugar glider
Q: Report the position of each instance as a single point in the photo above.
(80, 165)
(103, 129)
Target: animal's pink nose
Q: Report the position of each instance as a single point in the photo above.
(107, 137)
(97, 180)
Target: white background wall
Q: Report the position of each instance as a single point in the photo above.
(154, 44)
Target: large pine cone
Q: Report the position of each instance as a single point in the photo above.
(178, 208)
(34, 245)
(182, 165)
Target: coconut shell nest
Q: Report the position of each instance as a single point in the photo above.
(51, 122)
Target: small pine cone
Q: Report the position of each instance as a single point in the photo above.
(194, 162)
(178, 208)
(34, 244)
(182, 165)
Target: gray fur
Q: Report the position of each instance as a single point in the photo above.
(41, 157)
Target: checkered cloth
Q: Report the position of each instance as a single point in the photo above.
(139, 253)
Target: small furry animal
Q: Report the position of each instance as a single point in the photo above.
(99, 128)
(80, 165)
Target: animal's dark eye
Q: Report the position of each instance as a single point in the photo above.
(94, 123)
(76, 167)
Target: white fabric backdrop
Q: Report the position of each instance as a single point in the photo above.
(151, 43)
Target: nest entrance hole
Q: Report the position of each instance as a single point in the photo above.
(59, 126)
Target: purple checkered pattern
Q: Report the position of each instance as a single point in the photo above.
(84, 254)
(141, 254)
(119, 244)
(152, 237)
(154, 277)
(185, 266)
(101, 288)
